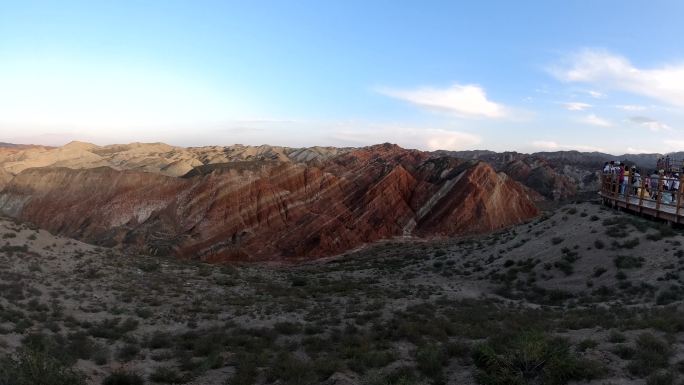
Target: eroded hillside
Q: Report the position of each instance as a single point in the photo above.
(581, 295)
(270, 210)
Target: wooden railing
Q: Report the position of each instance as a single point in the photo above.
(662, 194)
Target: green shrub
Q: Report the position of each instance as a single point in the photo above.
(651, 354)
(31, 367)
(616, 337)
(123, 378)
(291, 370)
(624, 351)
(245, 371)
(616, 232)
(564, 266)
(298, 281)
(81, 345)
(628, 262)
(159, 340)
(431, 359)
(113, 328)
(530, 357)
(586, 344)
(167, 375)
(669, 295)
(128, 352)
(628, 244)
(143, 312)
(101, 355)
(660, 378)
(287, 327)
(403, 375)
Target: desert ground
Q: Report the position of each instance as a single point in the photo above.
(582, 294)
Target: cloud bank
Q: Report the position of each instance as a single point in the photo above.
(468, 101)
(664, 83)
(649, 123)
(421, 138)
(576, 106)
(596, 121)
(548, 145)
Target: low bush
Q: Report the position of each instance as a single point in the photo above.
(31, 367)
(123, 378)
(530, 357)
(431, 359)
(167, 375)
(651, 354)
(660, 378)
(598, 271)
(291, 370)
(628, 262)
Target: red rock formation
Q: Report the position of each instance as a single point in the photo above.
(272, 210)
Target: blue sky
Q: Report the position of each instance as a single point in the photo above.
(500, 75)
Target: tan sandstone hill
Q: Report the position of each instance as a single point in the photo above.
(150, 157)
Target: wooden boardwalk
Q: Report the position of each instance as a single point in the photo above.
(661, 200)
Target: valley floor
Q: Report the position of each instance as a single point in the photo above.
(583, 294)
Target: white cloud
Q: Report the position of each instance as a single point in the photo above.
(554, 146)
(463, 100)
(674, 145)
(596, 94)
(544, 144)
(420, 138)
(596, 121)
(632, 150)
(580, 147)
(631, 107)
(664, 83)
(649, 123)
(576, 106)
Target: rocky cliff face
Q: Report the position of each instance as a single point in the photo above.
(5, 178)
(267, 210)
(540, 176)
(556, 176)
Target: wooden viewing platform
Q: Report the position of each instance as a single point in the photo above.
(652, 199)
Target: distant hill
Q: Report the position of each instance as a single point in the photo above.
(556, 175)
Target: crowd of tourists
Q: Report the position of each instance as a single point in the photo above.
(628, 180)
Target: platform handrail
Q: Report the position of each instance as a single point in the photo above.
(660, 193)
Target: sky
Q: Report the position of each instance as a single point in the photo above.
(457, 75)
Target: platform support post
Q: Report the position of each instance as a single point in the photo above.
(642, 189)
(660, 195)
(679, 197)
